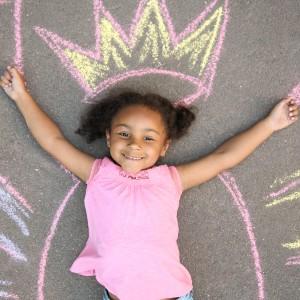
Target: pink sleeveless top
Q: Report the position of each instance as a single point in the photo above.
(132, 245)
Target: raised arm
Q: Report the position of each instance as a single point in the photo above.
(238, 147)
(43, 129)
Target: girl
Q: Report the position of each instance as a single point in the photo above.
(132, 202)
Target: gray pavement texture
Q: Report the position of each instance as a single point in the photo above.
(232, 249)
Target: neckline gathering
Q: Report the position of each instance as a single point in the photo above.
(142, 174)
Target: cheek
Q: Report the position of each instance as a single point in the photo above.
(116, 144)
(154, 149)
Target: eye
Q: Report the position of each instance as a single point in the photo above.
(123, 134)
(149, 138)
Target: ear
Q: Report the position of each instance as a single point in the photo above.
(165, 148)
(107, 137)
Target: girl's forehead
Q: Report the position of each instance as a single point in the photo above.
(135, 113)
(139, 117)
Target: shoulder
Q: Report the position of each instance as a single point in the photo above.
(169, 174)
(98, 164)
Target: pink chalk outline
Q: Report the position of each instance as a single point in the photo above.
(4, 2)
(48, 241)
(230, 183)
(295, 93)
(294, 260)
(227, 179)
(203, 87)
(18, 59)
(285, 189)
(4, 181)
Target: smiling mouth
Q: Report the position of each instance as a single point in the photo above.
(132, 157)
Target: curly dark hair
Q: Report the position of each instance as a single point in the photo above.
(98, 118)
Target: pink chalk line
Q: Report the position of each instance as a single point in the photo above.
(48, 241)
(15, 194)
(4, 2)
(232, 187)
(294, 260)
(74, 178)
(284, 189)
(18, 60)
(8, 295)
(295, 93)
(147, 71)
(57, 44)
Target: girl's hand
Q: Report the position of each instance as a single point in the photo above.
(283, 114)
(13, 83)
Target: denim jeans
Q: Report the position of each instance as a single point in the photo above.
(188, 296)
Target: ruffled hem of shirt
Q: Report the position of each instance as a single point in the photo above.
(88, 270)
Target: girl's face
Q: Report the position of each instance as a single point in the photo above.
(137, 138)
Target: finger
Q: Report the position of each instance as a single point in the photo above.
(294, 119)
(288, 99)
(292, 101)
(293, 107)
(16, 74)
(11, 71)
(5, 81)
(14, 71)
(6, 87)
(7, 75)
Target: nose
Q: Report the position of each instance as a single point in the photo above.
(133, 143)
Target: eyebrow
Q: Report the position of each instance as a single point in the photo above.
(146, 129)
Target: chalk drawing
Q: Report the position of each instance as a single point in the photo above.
(5, 282)
(152, 39)
(292, 245)
(11, 249)
(295, 93)
(18, 59)
(294, 195)
(8, 295)
(237, 197)
(152, 32)
(4, 2)
(291, 197)
(4, 294)
(278, 181)
(152, 36)
(9, 205)
(294, 260)
(48, 241)
(289, 186)
(12, 191)
(16, 208)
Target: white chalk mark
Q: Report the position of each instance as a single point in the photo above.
(10, 206)
(11, 249)
(8, 296)
(4, 193)
(5, 282)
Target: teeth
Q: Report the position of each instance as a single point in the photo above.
(133, 158)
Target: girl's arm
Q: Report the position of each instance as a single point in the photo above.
(43, 129)
(239, 147)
